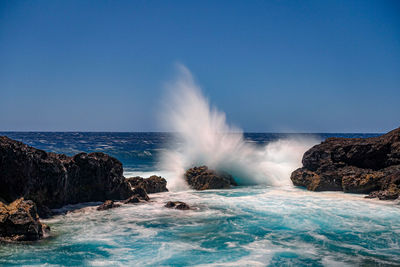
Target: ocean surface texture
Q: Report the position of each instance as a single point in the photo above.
(256, 225)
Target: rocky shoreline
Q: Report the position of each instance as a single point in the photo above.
(33, 182)
(353, 165)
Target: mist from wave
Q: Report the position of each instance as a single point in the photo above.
(205, 138)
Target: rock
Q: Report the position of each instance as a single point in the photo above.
(153, 184)
(140, 193)
(179, 205)
(19, 221)
(108, 204)
(54, 180)
(132, 199)
(353, 165)
(44, 212)
(202, 178)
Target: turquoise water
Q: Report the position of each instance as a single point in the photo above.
(244, 226)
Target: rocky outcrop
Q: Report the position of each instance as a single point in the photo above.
(19, 221)
(53, 180)
(153, 184)
(353, 165)
(108, 204)
(179, 205)
(202, 178)
(132, 200)
(140, 193)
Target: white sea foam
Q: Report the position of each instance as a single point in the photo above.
(245, 226)
(205, 138)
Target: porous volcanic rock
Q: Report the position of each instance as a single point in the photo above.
(179, 205)
(53, 180)
(353, 165)
(153, 184)
(19, 221)
(202, 178)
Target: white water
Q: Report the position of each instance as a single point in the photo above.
(205, 138)
(244, 226)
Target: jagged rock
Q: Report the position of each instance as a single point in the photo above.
(132, 199)
(202, 178)
(353, 165)
(19, 221)
(140, 193)
(53, 180)
(108, 204)
(153, 184)
(179, 205)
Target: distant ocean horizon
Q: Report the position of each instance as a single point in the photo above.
(138, 150)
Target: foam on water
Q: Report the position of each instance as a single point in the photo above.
(206, 139)
(246, 226)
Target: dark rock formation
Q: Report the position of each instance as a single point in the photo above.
(133, 199)
(108, 204)
(179, 205)
(53, 180)
(153, 184)
(19, 221)
(353, 165)
(140, 193)
(201, 178)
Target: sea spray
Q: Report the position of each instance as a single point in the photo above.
(203, 137)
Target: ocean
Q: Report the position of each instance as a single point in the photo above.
(254, 224)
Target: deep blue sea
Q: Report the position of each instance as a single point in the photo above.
(258, 225)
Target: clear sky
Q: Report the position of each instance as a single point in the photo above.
(299, 66)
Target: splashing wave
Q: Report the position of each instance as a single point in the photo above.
(205, 138)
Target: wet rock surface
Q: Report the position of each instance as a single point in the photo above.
(108, 204)
(354, 165)
(153, 184)
(140, 193)
(133, 199)
(202, 178)
(179, 205)
(19, 221)
(53, 180)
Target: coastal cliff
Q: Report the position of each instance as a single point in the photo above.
(353, 165)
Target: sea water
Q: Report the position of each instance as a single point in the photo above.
(257, 225)
(264, 221)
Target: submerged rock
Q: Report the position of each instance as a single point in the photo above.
(19, 221)
(202, 178)
(353, 165)
(54, 180)
(179, 205)
(153, 184)
(108, 204)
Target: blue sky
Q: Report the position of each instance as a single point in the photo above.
(298, 66)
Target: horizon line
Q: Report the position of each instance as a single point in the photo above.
(170, 132)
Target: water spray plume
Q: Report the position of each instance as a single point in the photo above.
(204, 138)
